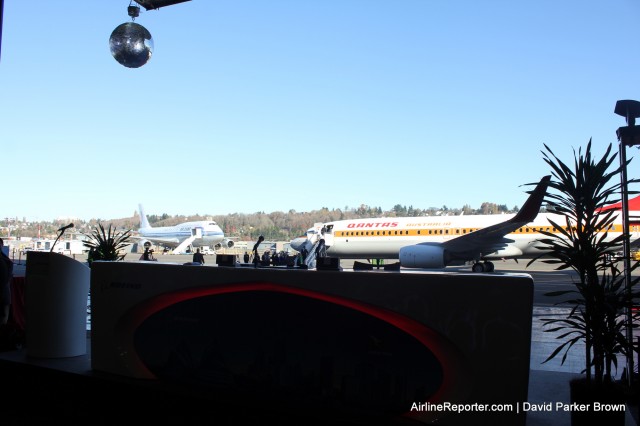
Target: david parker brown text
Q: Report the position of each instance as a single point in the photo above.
(523, 406)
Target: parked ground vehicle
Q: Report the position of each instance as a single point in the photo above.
(205, 250)
(68, 247)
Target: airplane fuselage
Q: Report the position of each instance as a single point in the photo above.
(208, 233)
(434, 242)
(384, 237)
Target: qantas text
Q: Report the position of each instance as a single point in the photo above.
(373, 225)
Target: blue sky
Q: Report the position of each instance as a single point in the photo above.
(255, 105)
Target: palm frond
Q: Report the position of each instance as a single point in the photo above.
(106, 244)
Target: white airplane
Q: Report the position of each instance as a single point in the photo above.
(179, 237)
(434, 242)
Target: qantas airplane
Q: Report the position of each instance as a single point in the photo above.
(179, 237)
(434, 242)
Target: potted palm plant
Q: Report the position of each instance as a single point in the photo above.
(599, 301)
(106, 244)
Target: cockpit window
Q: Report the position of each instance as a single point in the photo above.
(212, 223)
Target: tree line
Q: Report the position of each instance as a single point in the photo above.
(274, 226)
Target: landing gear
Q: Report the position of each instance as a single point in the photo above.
(483, 267)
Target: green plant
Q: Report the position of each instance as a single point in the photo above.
(599, 301)
(106, 244)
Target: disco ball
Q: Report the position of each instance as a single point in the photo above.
(131, 44)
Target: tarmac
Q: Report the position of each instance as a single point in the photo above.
(548, 382)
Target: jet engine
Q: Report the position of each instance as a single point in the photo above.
(226, 243)
(422, 256)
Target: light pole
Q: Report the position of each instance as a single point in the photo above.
(1, 15)
(628, 135)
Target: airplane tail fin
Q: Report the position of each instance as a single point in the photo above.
(531, 207)
(633, 205)
(144, 223)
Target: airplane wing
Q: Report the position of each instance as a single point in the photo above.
(492, 238)
(474, 245)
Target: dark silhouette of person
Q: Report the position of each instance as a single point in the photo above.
(148, 254)
(266, 258)
(6, 274)
(198, 257)
(321, 249)
(246, 257)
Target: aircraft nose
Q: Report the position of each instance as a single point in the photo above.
(297, 243)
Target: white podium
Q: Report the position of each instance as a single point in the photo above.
(56, 293)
